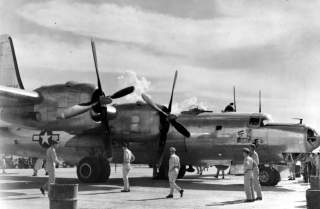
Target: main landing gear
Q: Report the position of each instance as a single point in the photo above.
(268, 176)
(93, 170)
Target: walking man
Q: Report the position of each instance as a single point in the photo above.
(248, 164)
(256, 182)
(174, 167)
(51, 160)
(128, 157)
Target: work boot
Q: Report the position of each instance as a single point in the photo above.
(259, 198)
(169, 196)
(125, 190)
(181, 192)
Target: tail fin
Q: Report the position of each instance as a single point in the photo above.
(9, 71)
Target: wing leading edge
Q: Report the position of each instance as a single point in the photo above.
(11, 97)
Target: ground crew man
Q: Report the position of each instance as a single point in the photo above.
(174, 167)
(128, 157)
(292, 167)
(317, 164)
(3, 164)
(256, 182)
(51, 160)
(229, 108)
(248, 164)
(37, 166)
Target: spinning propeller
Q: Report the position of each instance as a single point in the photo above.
(166, 119)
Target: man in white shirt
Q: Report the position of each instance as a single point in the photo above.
(174, 167)
(128, 157)
(3, 164)
(248, 164)
(256, 182)
(51, 160)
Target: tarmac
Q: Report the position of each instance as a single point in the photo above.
(19, 190)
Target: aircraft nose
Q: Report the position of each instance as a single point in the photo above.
(314, 141)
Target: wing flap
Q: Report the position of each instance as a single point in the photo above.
(12, 97)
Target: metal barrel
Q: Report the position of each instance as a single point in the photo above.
(313, 194)
(63, 196)
(315, 182)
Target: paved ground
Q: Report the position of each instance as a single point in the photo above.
(19, 190)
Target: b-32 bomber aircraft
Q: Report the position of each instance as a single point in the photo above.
(91, 130)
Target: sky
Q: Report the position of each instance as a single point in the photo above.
(267, 45)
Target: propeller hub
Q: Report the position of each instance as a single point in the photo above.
(171, 117)
(103, 100)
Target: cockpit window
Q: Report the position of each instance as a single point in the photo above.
(311, 135)
(254, 121)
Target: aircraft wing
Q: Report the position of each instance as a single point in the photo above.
(12, 97)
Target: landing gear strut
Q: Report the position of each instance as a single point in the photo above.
(268, 176)
(93, 170)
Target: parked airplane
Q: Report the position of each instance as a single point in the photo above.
(90, 130)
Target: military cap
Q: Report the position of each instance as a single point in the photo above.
(246, 150)
(172, 149)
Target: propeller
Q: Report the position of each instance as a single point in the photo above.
(166, 118)
(99, 100)
(99, 104)
(259, 101)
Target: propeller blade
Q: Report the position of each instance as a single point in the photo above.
(172, 91)
(75, 110)
(180, 128)
(152, 104)
(122, 92)
(259, 101)
(96, 64)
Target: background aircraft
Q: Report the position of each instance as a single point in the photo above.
(91, 130)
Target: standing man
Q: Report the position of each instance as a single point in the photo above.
(51, 160)
(128, 157)
(292, 167)
(3, 164)
(256, 182)
(317, 164)
(37, 166)
(174, 167)
(248, 164)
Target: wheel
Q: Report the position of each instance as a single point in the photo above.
(277, 177)
(182, 172)
(88, 170)
(105, 170)
(268, 176)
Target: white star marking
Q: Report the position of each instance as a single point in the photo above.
(45, 138)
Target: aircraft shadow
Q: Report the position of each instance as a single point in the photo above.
(142, 200)
(26, 182)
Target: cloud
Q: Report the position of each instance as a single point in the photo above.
(267, 45)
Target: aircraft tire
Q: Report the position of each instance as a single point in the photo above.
(182, 172)
(88, 170)
(266, 176)
(277, 177)
(105, 170)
